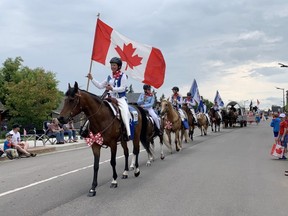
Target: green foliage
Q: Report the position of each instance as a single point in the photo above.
(29, 94)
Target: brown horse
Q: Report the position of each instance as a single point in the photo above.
(172, 123)
(191, 120)
(105, 129)
(151, 132)
(203, 123)
(215, 120)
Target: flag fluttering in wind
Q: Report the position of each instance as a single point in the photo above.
(218, 99)
(144, 63)
(195, 92)
(258, 102)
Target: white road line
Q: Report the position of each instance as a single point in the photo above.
(57, 176)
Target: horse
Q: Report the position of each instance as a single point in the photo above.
(105, 129)
(232, 117)
(151, 131)
(225, 117)
(171, 122)
(203, 123)
(191, 120)
(215, 119)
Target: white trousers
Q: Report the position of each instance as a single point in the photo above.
(194, 114)
(126, 117)
(182, 115)
(154, 116)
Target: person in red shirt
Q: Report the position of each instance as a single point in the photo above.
(282, 137)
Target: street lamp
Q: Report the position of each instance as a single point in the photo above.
(283, 97)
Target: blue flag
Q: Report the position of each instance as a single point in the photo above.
(218, 99)
(195, 92)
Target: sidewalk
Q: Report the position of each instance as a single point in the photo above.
(40, 148)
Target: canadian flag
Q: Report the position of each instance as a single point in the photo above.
(142, 62)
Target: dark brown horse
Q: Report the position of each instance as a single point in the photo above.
(171, 123)
(191, 120)
(151, 133)
(107, 126)
(215, 120)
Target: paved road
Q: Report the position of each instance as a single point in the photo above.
(226, 173)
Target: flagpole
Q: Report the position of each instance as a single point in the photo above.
(90, 68)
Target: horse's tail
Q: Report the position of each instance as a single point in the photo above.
(143, 134)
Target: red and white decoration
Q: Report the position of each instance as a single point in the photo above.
(168, 125)
(277, 150)
(141, 62)
(98, 139)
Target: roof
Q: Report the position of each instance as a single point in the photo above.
(132, 97)
(233, 103)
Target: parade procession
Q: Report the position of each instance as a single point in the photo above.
(143, 108)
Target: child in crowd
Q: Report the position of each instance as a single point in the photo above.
(275, 123)
(282, 136)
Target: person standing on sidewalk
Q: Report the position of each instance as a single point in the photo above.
(275, 123)
(282, 137)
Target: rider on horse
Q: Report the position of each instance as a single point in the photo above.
(202, 108)
(146, 100)
(191, 103)
(117, 85)
(177, 100)
(216, 109)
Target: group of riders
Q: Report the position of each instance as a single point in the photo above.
(116, 85)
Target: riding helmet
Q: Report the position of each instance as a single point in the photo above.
(146, 87)
(189, 94)
(117, 61)
(175, 88)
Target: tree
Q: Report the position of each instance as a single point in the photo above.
(30, 94)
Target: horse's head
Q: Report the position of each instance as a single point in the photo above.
(165, 104)
(71, 105)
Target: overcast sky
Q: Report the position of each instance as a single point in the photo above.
(230, 46)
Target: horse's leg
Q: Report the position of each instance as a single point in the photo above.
(96, 152)
(169, 141)
(177, 140)
(162, 156)
(126, 156)
(150, 155)
(136, 149)
(113, 148)
(132, 165)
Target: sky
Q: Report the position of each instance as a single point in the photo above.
(230, 46)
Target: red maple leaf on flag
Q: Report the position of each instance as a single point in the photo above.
(127, 55)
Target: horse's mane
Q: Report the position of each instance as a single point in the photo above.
(72, 93)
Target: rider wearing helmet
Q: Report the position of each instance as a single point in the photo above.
(146, 100)
(177, 100)
(116, 85)
(191, 103)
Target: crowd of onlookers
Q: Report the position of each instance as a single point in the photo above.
(15, 147)
(280, 131)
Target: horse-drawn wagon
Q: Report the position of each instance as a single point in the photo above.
(234, 114)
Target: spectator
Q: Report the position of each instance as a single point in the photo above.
(282, 136)
(275, 123)
(70, 129)
(55, 130)
(17, 143)
(1, 152)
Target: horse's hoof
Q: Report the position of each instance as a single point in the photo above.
(162, 157)
(136, 174)
(91, 193)
(124, 176)
(148, 164)
(113, 185)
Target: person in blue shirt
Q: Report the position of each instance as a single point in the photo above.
(202, 108)
(191, 103)
(146, 100)
(275, 123)
(117, 86)
(177, 100)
